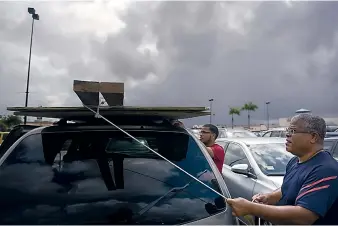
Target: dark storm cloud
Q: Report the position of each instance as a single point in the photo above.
(274, 61)
(232, 52)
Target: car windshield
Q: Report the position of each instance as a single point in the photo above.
(328, 144)
(240, 134)
(105, 177)
(271, 158)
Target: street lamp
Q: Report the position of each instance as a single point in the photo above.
(267, 113)
(211, 100)
(35, 16)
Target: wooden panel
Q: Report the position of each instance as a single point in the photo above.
(114, 99)
(113, 93)
(87, 91)
(81, 112)
(111, 87)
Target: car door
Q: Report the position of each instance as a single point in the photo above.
(239, 185)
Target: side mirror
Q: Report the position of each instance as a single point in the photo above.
(242, 169)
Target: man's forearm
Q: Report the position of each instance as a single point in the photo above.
(275, 196)
(281, 214)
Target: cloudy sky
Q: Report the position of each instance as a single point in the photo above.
(175, 53)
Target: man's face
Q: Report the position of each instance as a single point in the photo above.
(206, 135)
(298, 139)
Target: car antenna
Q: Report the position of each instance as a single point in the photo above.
(89, 94)
(98, 115)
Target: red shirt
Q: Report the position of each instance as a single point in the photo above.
(218, 156)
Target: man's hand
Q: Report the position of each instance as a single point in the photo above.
(240, 206)
(261, 198)
(269, 198)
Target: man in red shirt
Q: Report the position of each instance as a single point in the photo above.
(209, 134)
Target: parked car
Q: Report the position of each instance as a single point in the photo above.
(228, 133)
(331, 134)
(331, 145)
(83, 170)
(196, 132)
(331, 128)
(254, 165)
(257, 133)
(276, 132)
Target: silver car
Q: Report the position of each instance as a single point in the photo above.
(277, 132)
(229, 133)
(253, 165)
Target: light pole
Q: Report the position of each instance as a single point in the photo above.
(35, 16)
(267, 113)
(211, 100)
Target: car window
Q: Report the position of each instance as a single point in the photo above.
(267, 134)
(106, 178)
(328, 144)
(241, 134)
(222, 134)
(275, 134)
(234, 154)
(283, 134)
(335, 152)
(271, 158)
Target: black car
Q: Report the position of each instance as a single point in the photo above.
(84, 170)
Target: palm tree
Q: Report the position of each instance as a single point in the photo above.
(234, 111)
(249, 107)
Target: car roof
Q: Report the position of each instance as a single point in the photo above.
(331, 138)
(254, 140)
(276, 129)
(238, 130)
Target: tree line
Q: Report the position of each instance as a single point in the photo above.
(248, 107)
(7, 122)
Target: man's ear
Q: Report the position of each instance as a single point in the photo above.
(314, 138)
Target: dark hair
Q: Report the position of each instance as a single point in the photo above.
(212, 129)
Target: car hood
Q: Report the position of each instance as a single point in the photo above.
(277, 180)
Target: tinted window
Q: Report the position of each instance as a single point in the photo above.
(271, 158)
(235, 155)
(267, 134)
(283, 134)
(222, 134)
(106, 178)
(275, 134)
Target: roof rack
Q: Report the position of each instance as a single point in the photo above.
(113, 93)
